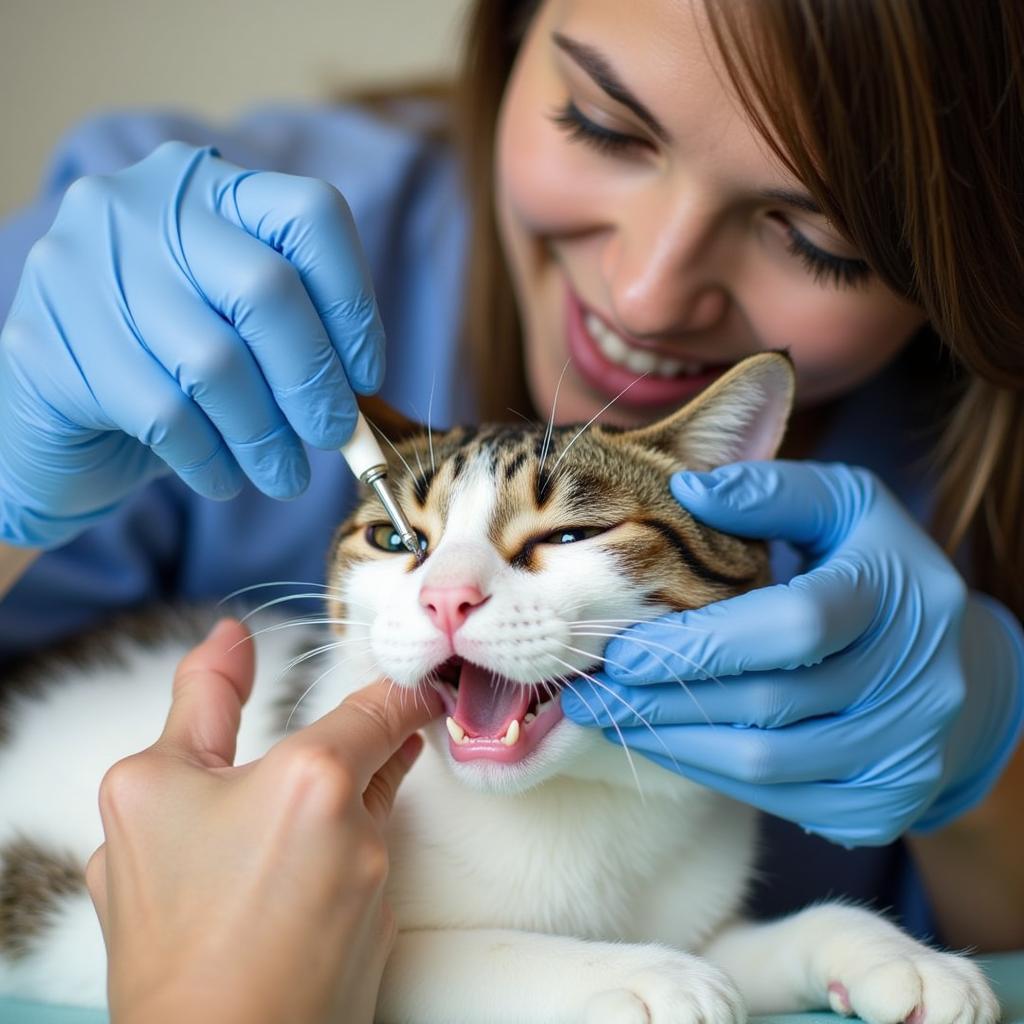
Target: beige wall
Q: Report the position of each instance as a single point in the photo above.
(61, 59)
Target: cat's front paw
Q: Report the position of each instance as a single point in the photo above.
(913, 984)
(677, 989)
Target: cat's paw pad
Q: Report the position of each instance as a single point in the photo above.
(916, 986)
(671, 994)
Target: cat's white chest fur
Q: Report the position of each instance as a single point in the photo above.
(569, 858)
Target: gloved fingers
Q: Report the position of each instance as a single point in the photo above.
(766, 700)
(833, 810)
(311, 225)
(785, 626)
(824, 750)
(151, 407)
(121, 386)
(215, 368)
(809, 504)
(262, 295)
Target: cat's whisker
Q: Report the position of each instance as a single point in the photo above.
(622, 700)
(664, 665)
(629, 757)
(334, 644)
(551, 421)
(309, 689)
(293, 623)
(579, 432)
(279, 600)
(430, 418)
(392, 446)
(565, 681)
(652, 646)
(277, 583)
(415, 449)
(636, 622)
(516, 412)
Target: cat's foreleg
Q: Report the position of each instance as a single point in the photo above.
(510, 977)
(854, 961)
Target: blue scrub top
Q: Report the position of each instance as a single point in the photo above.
(404, 188)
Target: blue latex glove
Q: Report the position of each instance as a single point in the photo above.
(182, 313)
(869, 695)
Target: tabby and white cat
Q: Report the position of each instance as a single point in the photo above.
(536, 875)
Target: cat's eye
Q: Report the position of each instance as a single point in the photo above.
(572, 534)
(384, 537)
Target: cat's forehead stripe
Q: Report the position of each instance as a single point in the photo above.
(471, 502)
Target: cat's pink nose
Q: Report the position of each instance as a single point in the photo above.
(449, 607)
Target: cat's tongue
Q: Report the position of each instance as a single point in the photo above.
(486, 706)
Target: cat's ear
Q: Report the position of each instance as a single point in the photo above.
(395, 426)
(742, 416)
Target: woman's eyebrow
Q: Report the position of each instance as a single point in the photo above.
(597, 66)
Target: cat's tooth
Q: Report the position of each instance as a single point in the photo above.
(455, 730)
(511, 737)
(528, 717)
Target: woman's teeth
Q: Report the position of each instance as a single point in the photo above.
(639, 360)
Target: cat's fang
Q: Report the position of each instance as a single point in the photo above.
(455, 730)
(511, 737)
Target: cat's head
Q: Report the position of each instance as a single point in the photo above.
(540, 545)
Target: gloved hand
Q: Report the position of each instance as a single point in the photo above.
(182, 313)
(871, 694)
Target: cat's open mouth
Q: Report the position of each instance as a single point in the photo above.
(492, 717)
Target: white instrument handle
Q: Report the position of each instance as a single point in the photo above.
(361, 451)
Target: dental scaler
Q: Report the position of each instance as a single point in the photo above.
(366, 460)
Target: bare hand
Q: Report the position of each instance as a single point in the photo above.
(251, 893)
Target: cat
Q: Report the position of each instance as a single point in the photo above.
(538, 872)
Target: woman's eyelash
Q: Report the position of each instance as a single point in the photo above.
(580, 128)
(825, 267)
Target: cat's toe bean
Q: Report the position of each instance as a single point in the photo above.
(888, 992)
(922, 987)
(839, 999)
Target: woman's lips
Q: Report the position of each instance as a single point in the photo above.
(612, 379)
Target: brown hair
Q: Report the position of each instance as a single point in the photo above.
(905, 121)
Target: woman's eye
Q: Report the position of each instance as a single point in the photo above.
(572, 534)
(580, 128)
(384, 537)
(825, 267)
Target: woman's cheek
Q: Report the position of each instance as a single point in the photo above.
(837, 339)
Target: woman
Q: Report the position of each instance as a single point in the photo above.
(654, 192)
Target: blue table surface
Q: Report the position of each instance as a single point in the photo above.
(1006, 971)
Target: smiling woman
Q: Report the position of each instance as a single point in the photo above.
(641, 229)
(648, 194)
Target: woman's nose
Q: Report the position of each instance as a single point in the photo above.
(664, 268)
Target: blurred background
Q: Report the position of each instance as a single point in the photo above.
(63, 59)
